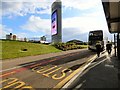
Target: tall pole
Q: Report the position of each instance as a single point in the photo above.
(115, 44)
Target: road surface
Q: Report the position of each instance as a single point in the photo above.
(51, 72)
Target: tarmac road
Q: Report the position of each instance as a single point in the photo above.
(51, 72)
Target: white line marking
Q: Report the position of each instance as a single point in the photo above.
(109, 65)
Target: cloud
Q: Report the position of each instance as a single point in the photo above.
(80, 4)
(80, 25)
(4, 30)
(37, 24)
(21, 35)
(24, 8)
(82, 37)
(26, 1)
(85, 23)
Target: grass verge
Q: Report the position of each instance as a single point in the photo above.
(15, 49)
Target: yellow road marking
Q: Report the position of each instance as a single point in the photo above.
(47, 74)
(46, 70)
(14, 83)
(41, 68)
(26, 88)
(64, 81)
(18, 86)
(14, 80)
(63, 74)
(33, 69)
(40, 71)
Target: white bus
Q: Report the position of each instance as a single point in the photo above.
(95, 37)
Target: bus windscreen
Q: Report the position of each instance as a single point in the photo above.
(95, 38)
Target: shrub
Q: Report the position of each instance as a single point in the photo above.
(66, 46)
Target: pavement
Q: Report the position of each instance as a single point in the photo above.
(102, 73)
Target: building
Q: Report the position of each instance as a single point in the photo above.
(43, 38)
(11, 37)
(14, 37)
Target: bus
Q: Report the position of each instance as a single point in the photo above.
(95, 37)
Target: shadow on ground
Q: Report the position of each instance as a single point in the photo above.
(58, 60)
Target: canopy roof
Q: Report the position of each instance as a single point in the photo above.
(112, 13)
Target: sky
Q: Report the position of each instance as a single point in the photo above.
(32, 19)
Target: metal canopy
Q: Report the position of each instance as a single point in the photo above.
(112, 13)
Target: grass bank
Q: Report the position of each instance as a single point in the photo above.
(15, 49)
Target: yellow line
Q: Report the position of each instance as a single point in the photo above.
(35, 65)
(49, 69)
(14, 80)
(16, 84)
(64, 81)
(47, 74)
